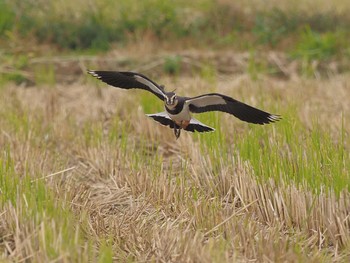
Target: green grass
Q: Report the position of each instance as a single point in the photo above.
(44, 74)
(48, 221)
(317, 39)
(287, 152)
(172, 65)
(77, 26)
(7, 17)
(316, 46)
(272, 26)
(131, 187)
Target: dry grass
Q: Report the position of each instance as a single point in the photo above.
(85, 179)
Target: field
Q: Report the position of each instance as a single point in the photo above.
(85, 176)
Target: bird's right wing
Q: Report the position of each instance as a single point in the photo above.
(129, 80)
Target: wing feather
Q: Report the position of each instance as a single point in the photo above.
(219, 102)
(164, 119)
(129, 80)
(194, 125)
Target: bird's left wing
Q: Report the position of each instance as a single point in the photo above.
(219, 102)
(129, 80)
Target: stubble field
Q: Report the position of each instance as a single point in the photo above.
(87, 176)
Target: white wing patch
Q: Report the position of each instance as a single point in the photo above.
(153, 87)
(274, 118)
(160, 114)
(93, 73)
(197, 122)
(206, 101)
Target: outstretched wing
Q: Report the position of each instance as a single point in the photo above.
(129, 80)
(219, 102)
(196, 125)
(164, 119)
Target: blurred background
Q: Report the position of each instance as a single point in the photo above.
(259, 37)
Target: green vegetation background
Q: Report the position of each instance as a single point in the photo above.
(318, 33)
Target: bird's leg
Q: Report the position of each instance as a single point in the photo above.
(177, 131)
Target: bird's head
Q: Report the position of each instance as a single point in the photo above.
(171, 100)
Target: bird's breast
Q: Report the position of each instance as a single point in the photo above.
(179, 114)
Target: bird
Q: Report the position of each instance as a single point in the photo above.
(178, 110)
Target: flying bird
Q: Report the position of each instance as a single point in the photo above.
(177, 114)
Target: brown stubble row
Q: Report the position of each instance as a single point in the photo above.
(176, 203)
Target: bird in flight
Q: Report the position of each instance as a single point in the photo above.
(177, 114)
